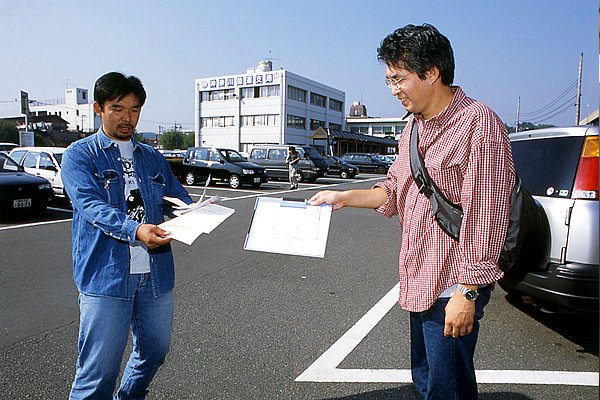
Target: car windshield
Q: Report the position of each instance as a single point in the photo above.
(7, 164)
(311, 152)
(380, 158)
(232, 155)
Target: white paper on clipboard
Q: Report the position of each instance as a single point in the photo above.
(289, 226)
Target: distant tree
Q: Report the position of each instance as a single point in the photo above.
(527, 126)
(8, 132)
(175, 139)
(171, 140)
(189, 140)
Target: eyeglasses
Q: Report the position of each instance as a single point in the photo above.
(394, 83)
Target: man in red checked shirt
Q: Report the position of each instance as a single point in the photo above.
(444, 284)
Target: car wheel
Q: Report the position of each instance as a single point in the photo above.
(190, 178)
(234, 181)
(381, 169)
(344, 174)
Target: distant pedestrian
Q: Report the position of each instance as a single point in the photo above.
(122, 261)
(292, 160)
(444, 284)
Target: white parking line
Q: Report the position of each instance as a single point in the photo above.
(324, 369)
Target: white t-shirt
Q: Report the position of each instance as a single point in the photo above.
(139, 262)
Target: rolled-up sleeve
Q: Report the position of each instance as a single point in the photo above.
(485, 195)
(390, 207)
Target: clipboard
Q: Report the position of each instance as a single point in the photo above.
(288, 226)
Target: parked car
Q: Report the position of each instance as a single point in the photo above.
(337, 166)
(21, 192)
(225, 165)
(311, 166)
(44, 162)
(559, 167)
(368, 162)
(7, 147)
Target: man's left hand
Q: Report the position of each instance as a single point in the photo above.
(460, 314)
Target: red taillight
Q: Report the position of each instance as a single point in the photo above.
(586, 181)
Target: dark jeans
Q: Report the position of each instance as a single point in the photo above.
(442, 367)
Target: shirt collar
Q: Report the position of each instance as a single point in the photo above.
(106, 142)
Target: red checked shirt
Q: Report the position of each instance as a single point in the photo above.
(467, 153)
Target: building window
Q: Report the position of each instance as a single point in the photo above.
(214, 95)
(315, 123)
(260, 120)
(217, 122)
(318, 100)
(296, 122)
(269, 91)
(382, 130)
(335, 127)
(297, 94)
(260, 91)
(336, 105)
(360, 129)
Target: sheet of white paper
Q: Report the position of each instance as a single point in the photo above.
(277, 228)
(187, 227)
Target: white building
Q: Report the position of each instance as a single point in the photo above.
(264, 106)
(78, 111)
(359, 122)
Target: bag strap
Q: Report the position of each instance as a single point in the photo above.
(448, 215)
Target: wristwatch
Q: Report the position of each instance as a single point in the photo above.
(469, 294)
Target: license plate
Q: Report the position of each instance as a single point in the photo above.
(256, 180)
(21, 203)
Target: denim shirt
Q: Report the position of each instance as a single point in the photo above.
(93, 177)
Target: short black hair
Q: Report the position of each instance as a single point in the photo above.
(115, 85)
(418, 49)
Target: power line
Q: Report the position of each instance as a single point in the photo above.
(535, 114)
(556, 111)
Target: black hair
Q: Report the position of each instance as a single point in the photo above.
(115, 85)
(418, 49)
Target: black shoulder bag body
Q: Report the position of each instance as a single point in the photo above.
(449, 216)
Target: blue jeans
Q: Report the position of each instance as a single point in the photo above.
(442, 367)
(104, 328)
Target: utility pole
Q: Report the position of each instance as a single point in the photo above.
(578, 105)
(518, 111)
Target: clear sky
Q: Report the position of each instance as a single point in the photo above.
(503, 49)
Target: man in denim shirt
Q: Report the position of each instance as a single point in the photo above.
(122, 261)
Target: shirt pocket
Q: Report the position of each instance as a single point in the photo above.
(157, 188)
(109, 182)
(449, 179)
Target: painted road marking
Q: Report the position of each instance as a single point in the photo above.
(324, 369)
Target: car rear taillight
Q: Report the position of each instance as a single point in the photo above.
(586, 181)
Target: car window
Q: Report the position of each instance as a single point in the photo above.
(213, 155)
(46, 161)
(277, 154)
(7, 164)
(18, 155)
(58, 158)
(30, 160)
(232, 155)
(547, 167)
(258, 153)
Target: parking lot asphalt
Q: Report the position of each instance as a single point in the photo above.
(252, 325)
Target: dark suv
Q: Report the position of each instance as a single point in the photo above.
(559, 167)
(368, 162)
